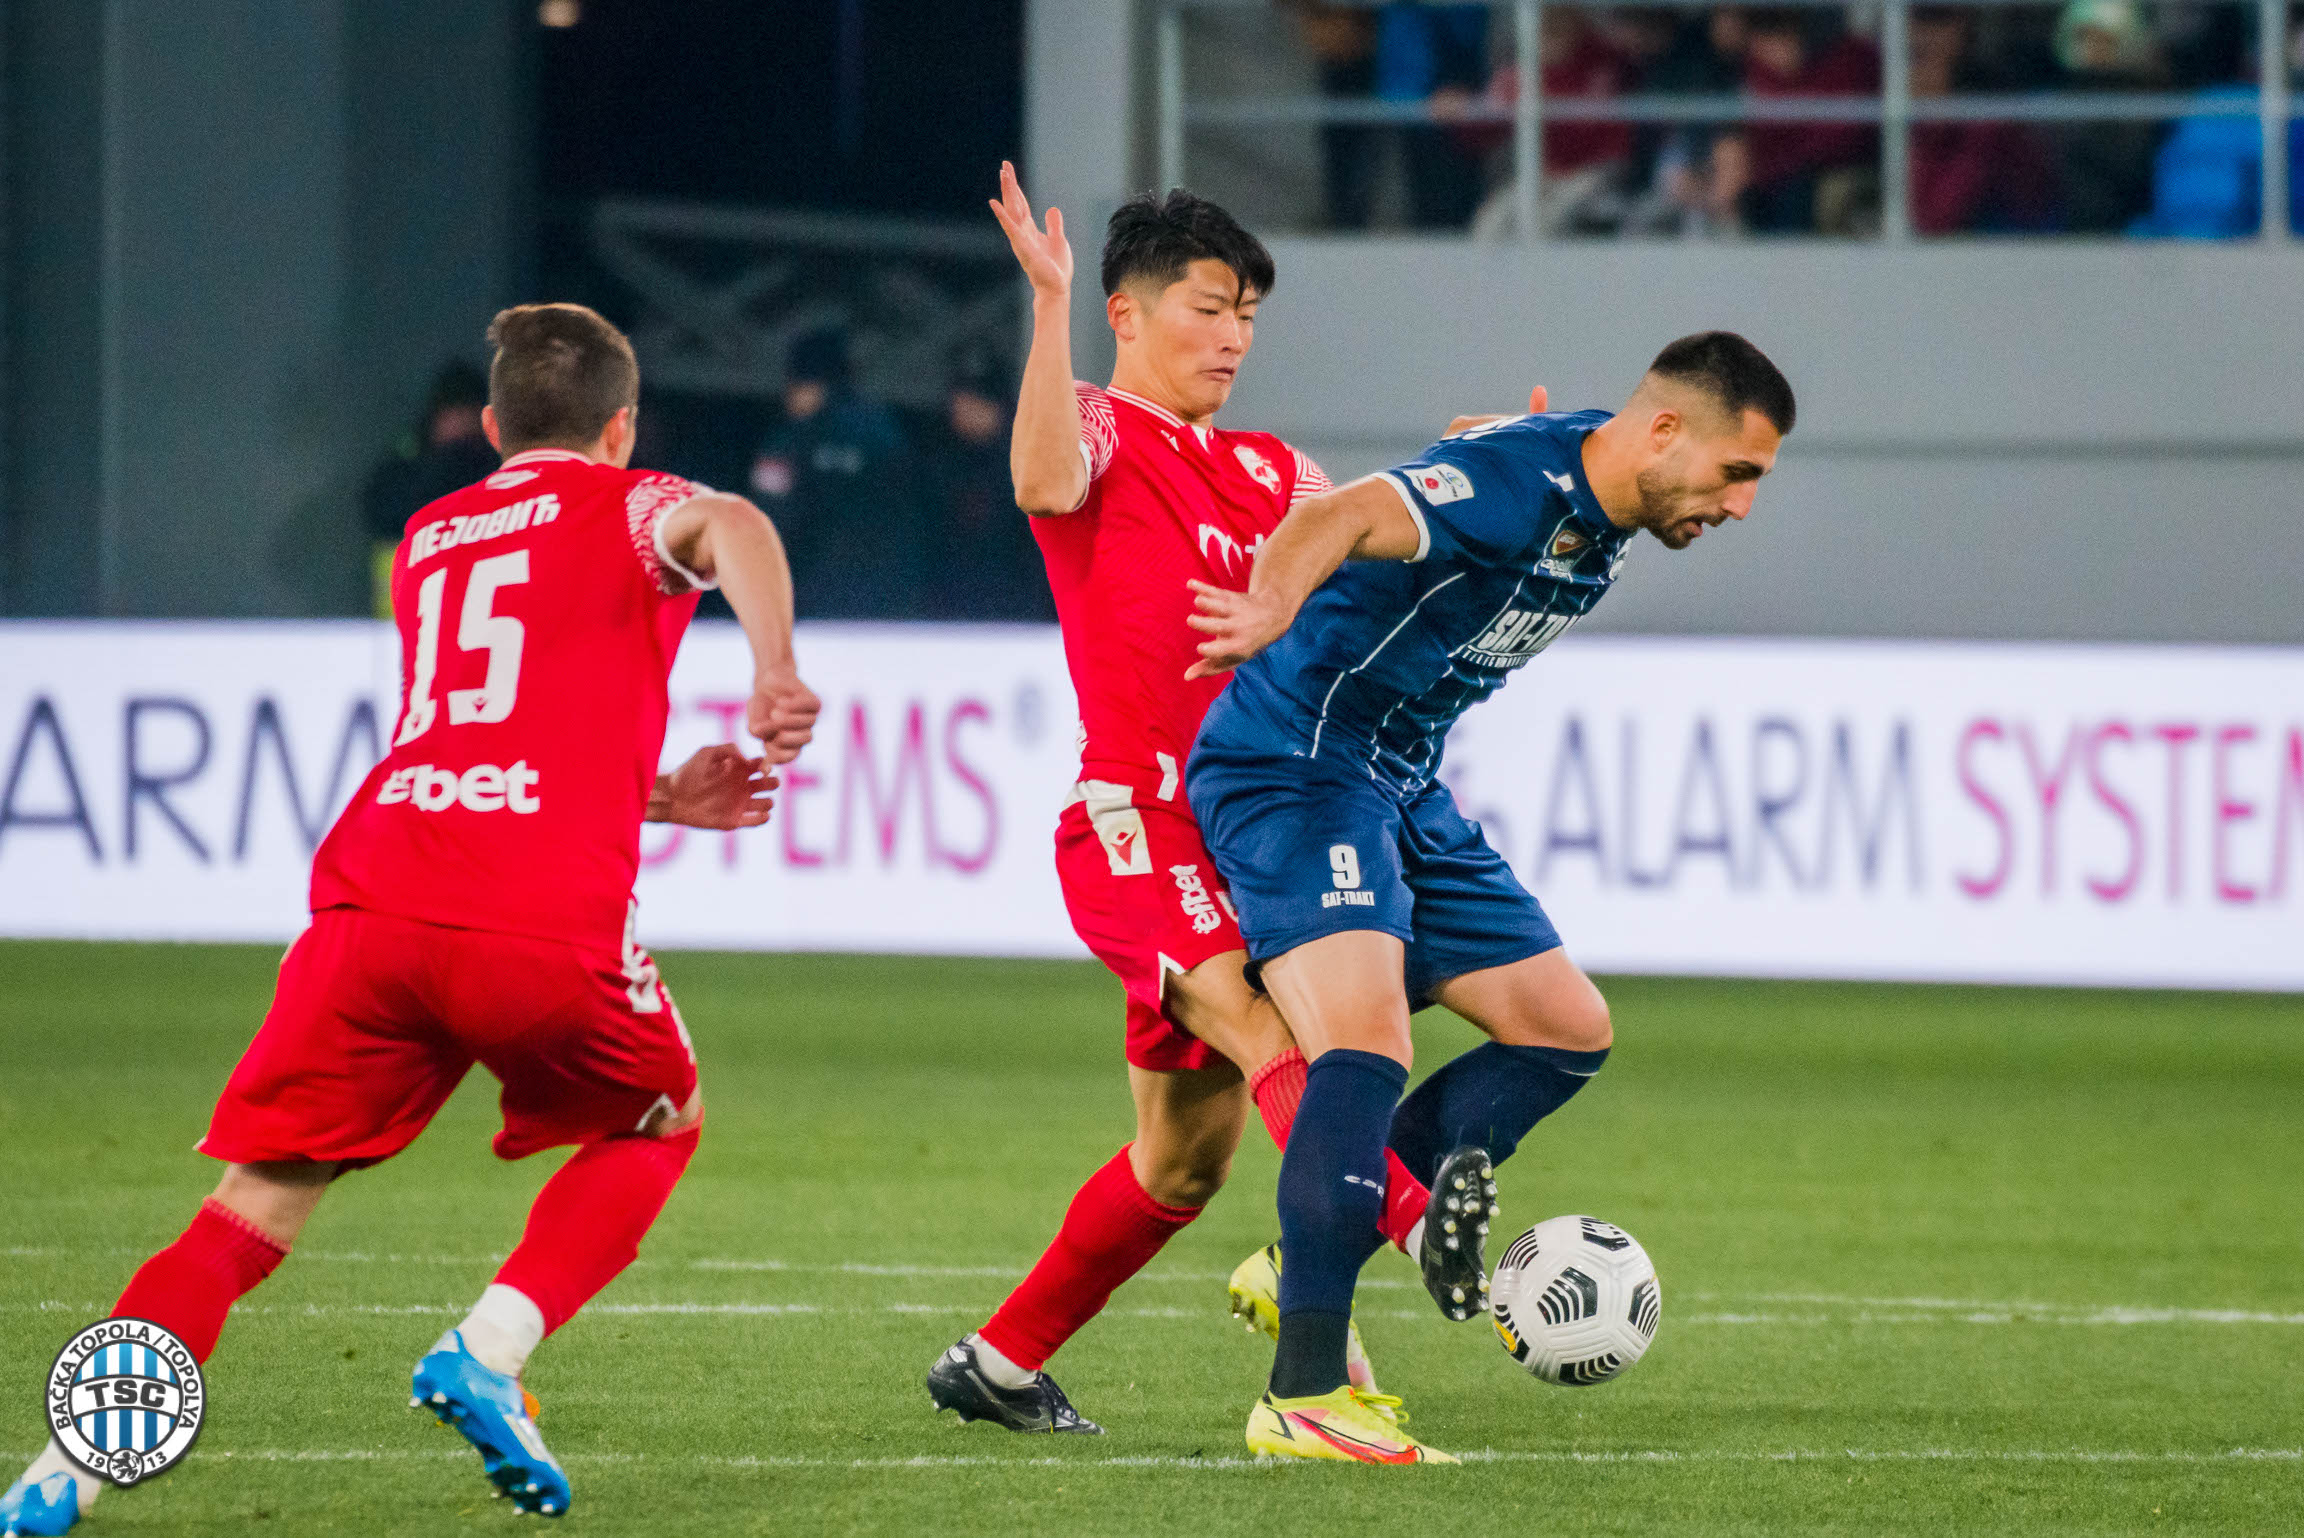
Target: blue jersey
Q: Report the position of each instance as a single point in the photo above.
(1512, 549)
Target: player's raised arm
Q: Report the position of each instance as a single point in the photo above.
(1365, 520)
(727, 540)
(1044, 445)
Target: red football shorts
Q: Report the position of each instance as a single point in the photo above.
(377, 1020)
(1146, 899)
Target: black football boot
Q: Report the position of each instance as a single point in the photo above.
(958, 1383)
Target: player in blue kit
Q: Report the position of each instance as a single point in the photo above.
(1374, 616)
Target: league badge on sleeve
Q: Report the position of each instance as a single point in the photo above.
(124, 1399)
(1441, 483)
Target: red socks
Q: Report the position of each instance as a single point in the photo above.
(1111, 1230)
(1278, 1088)
(188, 1287)
(588, 1220)
(585, 1227)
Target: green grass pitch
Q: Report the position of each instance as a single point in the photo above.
(1935, 1260)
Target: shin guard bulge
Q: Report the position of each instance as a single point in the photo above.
(1489, 1098)
(1111, 1230)
(1331, 1203)
(1278, 1089)
(188, 1287)
(589, 1219)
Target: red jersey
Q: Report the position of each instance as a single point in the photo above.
(1166, 503)
(539, 613)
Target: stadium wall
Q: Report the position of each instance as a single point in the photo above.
(240, 240)
(2029, 813)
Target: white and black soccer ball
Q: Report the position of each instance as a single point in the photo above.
(1575, 1300)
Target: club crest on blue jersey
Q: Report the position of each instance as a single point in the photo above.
(1386, 655)
(125, 1399)
(1560, 556)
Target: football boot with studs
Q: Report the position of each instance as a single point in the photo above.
(1451, 1252)
(959, 1383)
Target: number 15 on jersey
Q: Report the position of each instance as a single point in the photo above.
(478, 628)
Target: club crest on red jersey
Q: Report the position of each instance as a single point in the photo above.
(1258, 467)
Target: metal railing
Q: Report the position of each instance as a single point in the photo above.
(1894, 109)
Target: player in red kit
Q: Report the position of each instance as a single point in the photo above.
(1134, 494)
(474, 901)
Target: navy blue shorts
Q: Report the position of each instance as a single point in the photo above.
(1315, 847)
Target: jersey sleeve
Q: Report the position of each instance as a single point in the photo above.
(1311, 480)
(1471, 498)
(1099, 429)
(651, 497)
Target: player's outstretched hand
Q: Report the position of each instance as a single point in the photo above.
(782, 715)
(1237, 625)
(718, 787)
(1045, 255)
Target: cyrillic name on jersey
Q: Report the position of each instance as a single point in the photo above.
(448, 533)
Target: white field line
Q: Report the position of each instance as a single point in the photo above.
(2237, 1456)
(1843, 1308)
(710, 1263)
(761, 1310)
(738, 1309)
(1983, 1311)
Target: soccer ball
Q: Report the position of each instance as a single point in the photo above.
(1575, 1300)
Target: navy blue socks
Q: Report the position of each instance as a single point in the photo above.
(1489, 1097)
(1331, 1203)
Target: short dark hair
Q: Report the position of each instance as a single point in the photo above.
(1159, 238)
(560, 372)
(1733, 372)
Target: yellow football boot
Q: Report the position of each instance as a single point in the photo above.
(1255, 1292)
(1344, 1424)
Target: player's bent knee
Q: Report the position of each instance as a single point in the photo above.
(1589, 1028)
(1567, 1013)
(276, 1197)
(1189, 1184)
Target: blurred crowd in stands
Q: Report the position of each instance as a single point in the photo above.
(886, 513)
(893, 512)
(2196, 174)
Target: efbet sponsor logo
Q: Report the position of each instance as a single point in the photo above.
(448, 533)
(481, 788)
(1193, 893)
